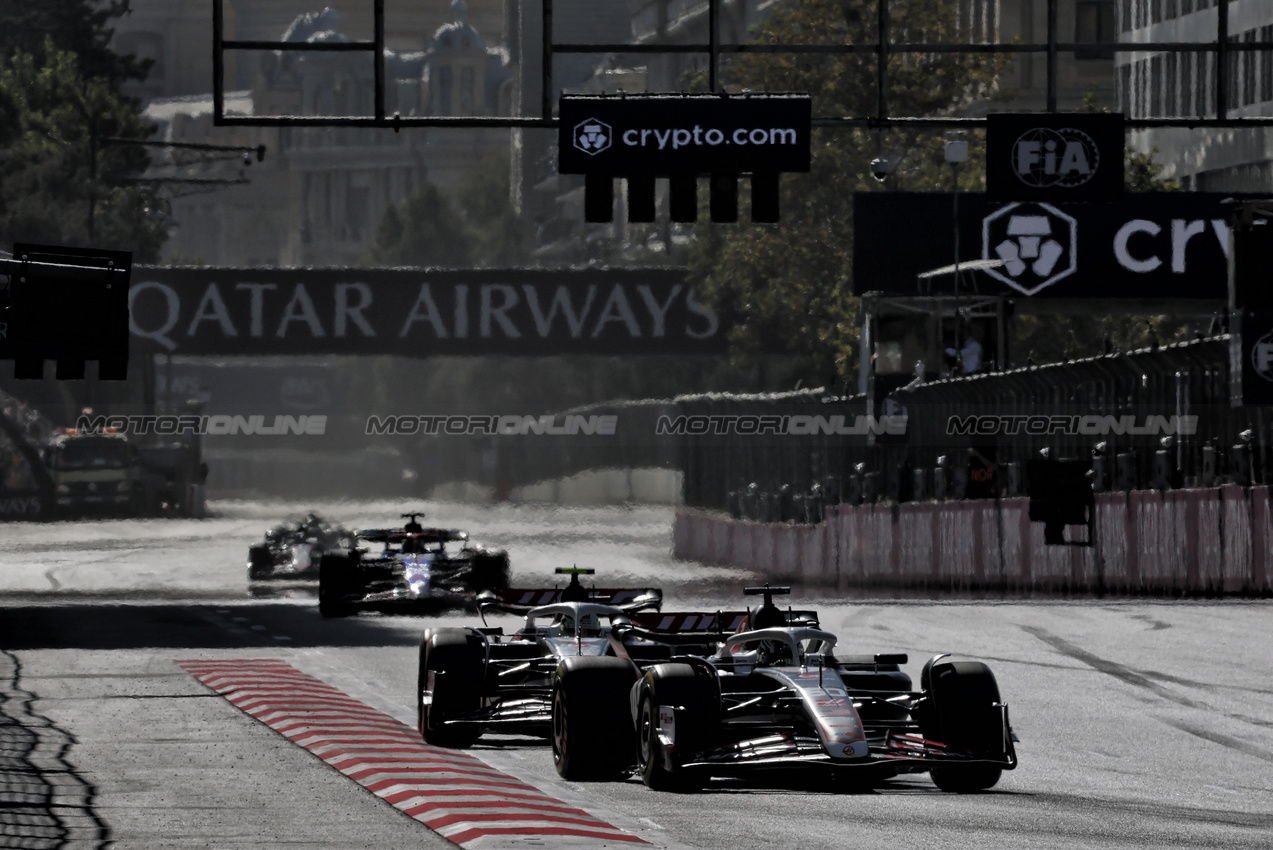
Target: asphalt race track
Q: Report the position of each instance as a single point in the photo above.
(1142, 723)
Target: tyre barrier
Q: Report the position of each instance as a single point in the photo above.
(1174, 542)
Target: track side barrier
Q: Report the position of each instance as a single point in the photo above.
(1213, 541)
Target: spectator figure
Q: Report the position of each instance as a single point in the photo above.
(969, 356)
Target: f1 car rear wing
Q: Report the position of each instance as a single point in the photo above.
(393, 535)
(691, 627)
(520, 601)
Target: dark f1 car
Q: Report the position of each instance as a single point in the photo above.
(292, 548)
(479, 679)
(407, 568)
(775, 695)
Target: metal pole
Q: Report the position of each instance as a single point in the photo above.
(1051, 55)
(954, 167)
(218, 61)
(713, 43)
(92, 181)
(1222, 58)
(546, 95)
(379, 11)
(881, 71)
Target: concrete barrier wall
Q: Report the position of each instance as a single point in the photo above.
(1178, 541)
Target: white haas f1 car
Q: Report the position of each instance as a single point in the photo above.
(775, 695)
(476, 680)
(293, 548)
(407, 568)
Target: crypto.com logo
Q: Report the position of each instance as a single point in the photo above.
(592, 136)
(1037, 243)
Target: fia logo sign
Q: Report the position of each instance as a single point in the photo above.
(1262, 356)
(592, 136)
(1064, 157)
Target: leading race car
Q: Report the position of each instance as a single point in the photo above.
(407, 568)
(292, 548)
(775, 695)
(477, 680)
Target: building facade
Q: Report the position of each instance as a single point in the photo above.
(1186, 84)
(318, 194)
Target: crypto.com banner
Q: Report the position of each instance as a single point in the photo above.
(1170, 245)
(418, 313)
(693, 133)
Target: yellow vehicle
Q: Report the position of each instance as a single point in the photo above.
(93, 472)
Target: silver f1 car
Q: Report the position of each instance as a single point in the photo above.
(478, 679)
(405, 568)
(293, 548)
(775, 695)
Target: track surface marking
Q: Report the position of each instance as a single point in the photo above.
(452, 793)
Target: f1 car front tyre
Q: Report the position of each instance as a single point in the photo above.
(694, 699)
(337, 580)
(591, 737)
(451, 672)
(963, 713)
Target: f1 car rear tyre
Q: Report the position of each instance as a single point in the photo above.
(337, 580)
(260, 563)
(451, 672)
(963, 713)
(695, 698)
(591, 737)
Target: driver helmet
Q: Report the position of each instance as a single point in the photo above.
(589, 625)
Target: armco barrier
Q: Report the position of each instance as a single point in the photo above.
(1172, 542)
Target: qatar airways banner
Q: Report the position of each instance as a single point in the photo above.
(418, 313)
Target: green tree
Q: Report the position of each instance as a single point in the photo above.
(789, 285)
(1141, 173)
(484, 202)
(424, 230)
(80, 27)
(57, 184)
(475, 225)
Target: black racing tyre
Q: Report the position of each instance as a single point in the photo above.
(490, 571)
(451, 671)
(337, 580)
(260, 563)
(963, 713)
(592, 737)
(694, 695)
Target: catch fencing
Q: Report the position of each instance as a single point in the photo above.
(1155, 419)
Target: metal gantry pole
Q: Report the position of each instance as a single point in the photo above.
(1052, 51)
(379, 12)
(218, 60)
(1222, 58)
(881, 71)
(713, 43)
(546, 94)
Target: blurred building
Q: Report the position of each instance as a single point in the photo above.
(318, 194)
(1156, 84)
